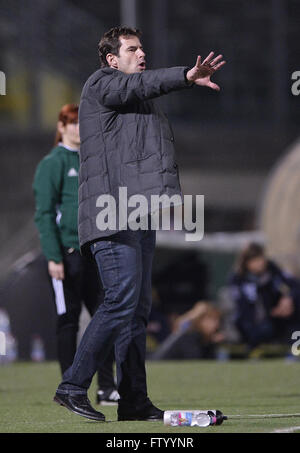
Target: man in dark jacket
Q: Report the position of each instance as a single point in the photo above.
(126, 142)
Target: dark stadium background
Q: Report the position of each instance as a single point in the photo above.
(227, 143)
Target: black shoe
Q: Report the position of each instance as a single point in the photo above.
(145, 412)
(80, 405)
(107, 397)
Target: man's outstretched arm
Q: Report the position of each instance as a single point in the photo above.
(114, 88)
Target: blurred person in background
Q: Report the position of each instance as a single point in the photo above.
(201, 328)
(195, 334)
(75, 278)
(266, 299)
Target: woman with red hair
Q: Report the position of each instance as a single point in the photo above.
(75, 279)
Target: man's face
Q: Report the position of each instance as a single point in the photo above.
(131, 56)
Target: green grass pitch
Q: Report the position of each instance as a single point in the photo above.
(237, 388)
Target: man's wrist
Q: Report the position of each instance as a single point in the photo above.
(189, 82)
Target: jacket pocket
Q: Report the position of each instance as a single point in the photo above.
(141, 174)
(141, 138)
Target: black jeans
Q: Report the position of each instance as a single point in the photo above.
(81, 285)
(125, 263)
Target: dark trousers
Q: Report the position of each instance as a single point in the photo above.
(125, 262)
(81, 285)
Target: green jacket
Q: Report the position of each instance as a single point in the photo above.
(56, 195)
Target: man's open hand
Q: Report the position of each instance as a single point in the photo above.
(201, 73)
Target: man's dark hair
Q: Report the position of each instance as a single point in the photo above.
(110, 42)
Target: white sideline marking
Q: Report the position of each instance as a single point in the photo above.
(245, 416)
(286, 430)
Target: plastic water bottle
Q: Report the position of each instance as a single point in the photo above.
(37, 349)
(201, 418)
(193, 418)
(218, 416)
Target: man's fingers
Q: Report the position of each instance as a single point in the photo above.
(214, 86)
(219, 65)
(198, 62)
(213, 63)
(208, 58)
(215, 60)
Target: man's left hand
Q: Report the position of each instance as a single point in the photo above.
(201, 73)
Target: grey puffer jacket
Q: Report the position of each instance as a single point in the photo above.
(126, 140)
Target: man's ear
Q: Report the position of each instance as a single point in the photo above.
(112, 60)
